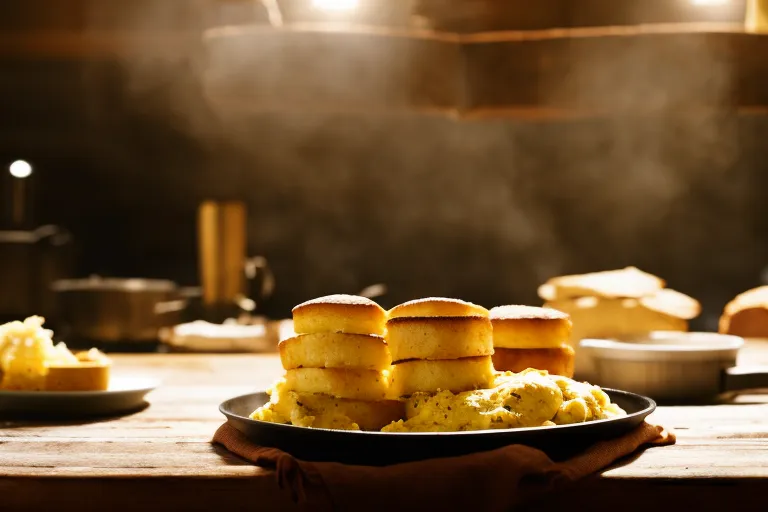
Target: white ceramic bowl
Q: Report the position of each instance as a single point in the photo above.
(663, 364)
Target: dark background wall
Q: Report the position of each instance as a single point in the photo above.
(486, 210)
(480, 210)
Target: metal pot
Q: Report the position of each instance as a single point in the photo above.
(29, 262)
(118, 310)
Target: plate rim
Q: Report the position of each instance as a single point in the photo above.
(147, 384)
(645, 412)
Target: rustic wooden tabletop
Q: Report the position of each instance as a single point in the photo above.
(161, 457)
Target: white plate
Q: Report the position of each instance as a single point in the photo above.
(125, 394)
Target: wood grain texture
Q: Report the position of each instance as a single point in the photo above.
(161, 457)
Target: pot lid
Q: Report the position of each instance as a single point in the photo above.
(97, 283)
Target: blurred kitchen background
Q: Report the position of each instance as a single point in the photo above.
(470, 148)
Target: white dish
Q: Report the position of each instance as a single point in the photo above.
(672, 365)
(125, 394)
(202, 336)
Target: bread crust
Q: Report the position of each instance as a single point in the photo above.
(628, 282)
(557, 361)
(435, 338)
(339, 313)
(529, 327)
(350, 383)
(455, 375)
(747, 314)
(436, 306)
(335, 350)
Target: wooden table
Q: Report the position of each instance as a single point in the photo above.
(161, 459)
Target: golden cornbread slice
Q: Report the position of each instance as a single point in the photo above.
(87, 376)
(90, 373)
(556, 361)
(439, 337)
(339, 313)
(339, 382)
(529, 327)
(437, 306)
(455, 375)
(335, 350)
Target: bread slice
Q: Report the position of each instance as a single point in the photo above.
(87, 376)
(556, 361)
(335, 350)
(437, 306)
(455, 375)
(747, 314)
(356, 384)
(673, 303)
(594, 317)
(529, 327)
(439, 337)
(629, 282)
(339, 313)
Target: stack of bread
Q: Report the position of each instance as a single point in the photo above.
(427, 365)
(747, 314)
(532, 337)
(439, 344)
(616, 304)
(339, 359)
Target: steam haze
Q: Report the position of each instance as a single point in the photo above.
(482, 210)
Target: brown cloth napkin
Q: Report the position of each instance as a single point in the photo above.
(493, 480)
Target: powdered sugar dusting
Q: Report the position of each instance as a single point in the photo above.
(518, 312)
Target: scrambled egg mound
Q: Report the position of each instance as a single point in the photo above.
(526, 399)
(531, 398)
(26, 351)
(287, 407)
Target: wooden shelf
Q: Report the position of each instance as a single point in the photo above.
(553, 73)
(93, 44)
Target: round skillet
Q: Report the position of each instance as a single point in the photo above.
(382, 448)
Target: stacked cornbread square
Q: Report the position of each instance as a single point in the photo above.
(532, 337)
(439, 344)
(339, 361)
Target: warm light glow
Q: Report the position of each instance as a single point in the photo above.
(335, 5)
(709, 2)
(20, 169)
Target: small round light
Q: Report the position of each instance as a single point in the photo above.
(20, 169)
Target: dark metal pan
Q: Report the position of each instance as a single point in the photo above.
(382, 448)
